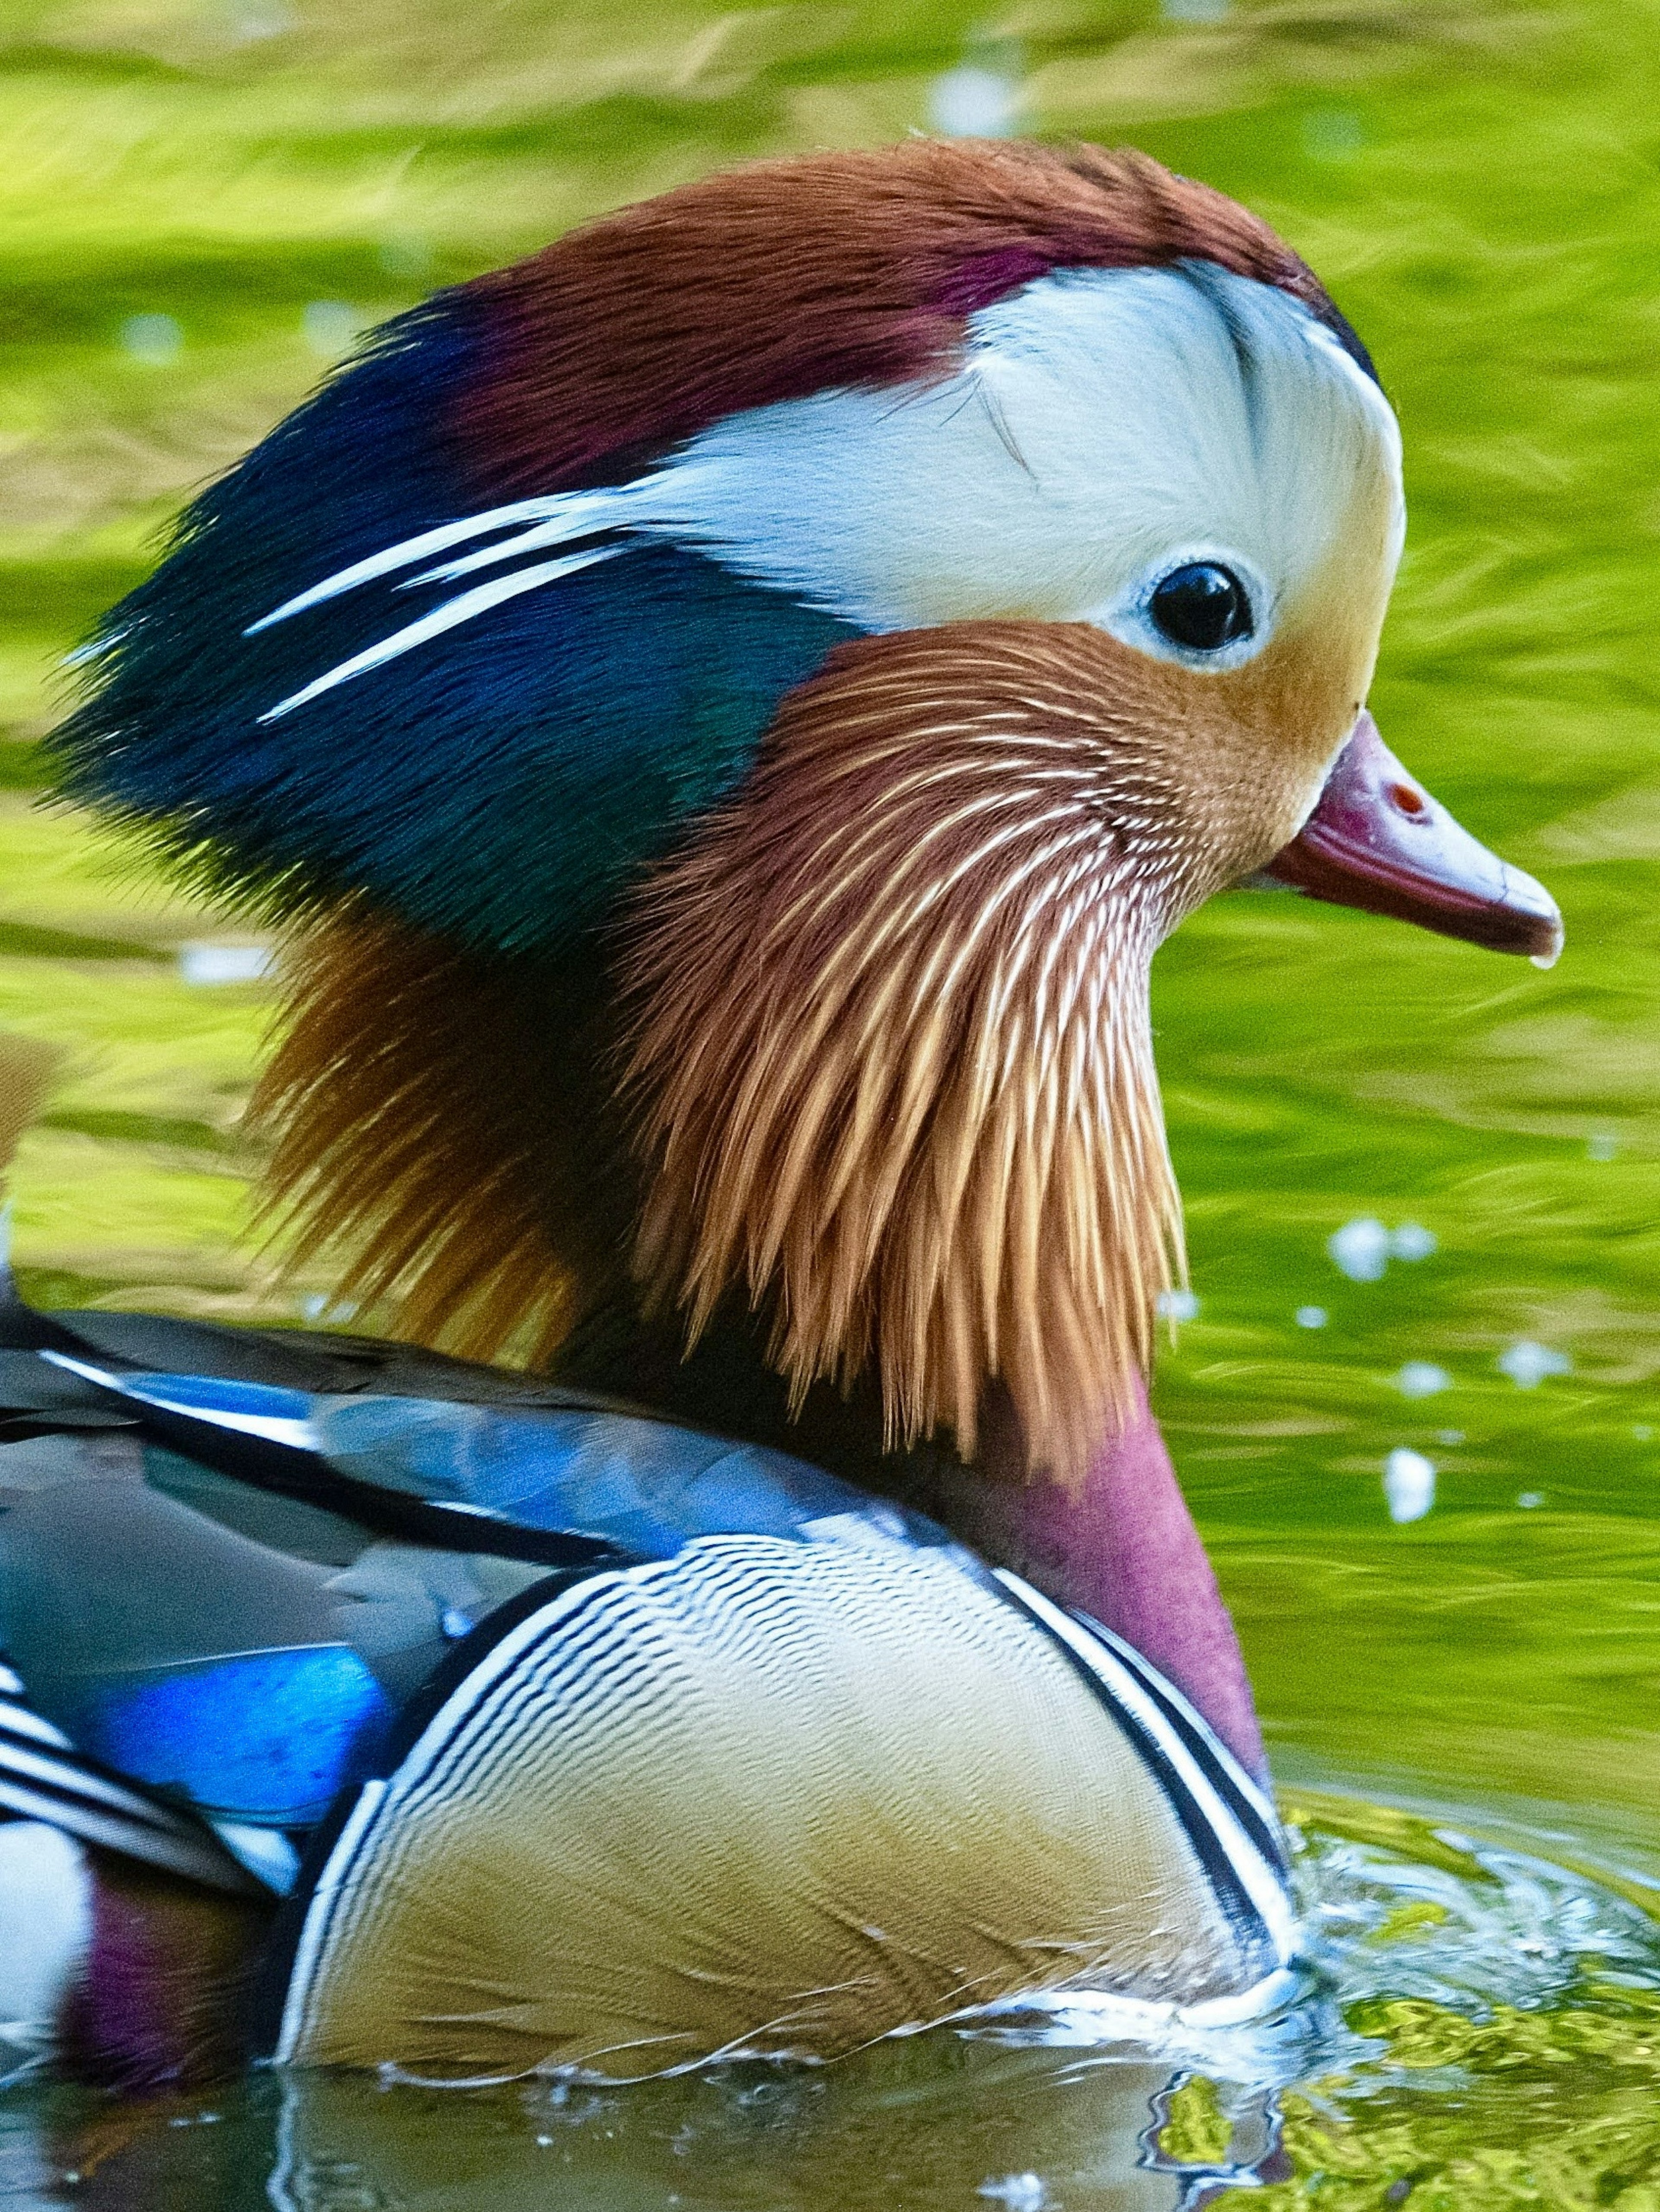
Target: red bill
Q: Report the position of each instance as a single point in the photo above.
(1377, 841)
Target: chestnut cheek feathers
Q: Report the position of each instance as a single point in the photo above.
(1377, 841)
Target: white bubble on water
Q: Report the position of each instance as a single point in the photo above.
(1020, 2192)
(1409, 1485)
(1601, 1145)
(1194, 11)
(1422, 1378)
(1450, 1435)
(329, 327)
(209, 964)
(1412, 1240)
(1528, 1363)
(1310, 1316)
(974, 102)
(1178, 1305)
(155, 340)
(1530, 1498)
(1360, 1249)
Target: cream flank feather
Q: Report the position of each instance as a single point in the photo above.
(891, 1047)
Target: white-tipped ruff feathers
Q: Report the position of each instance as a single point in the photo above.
(893, 1049)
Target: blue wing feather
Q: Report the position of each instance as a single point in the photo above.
(252, 1681)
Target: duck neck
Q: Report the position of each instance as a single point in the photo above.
(1121, 1545)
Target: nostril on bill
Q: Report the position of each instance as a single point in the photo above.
(1406, 801)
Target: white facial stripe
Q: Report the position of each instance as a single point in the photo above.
(1105, 425)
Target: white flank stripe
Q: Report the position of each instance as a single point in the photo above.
(198, 1858)
(448, 616)
(318, 1912)
(28, 1766)
(1260, 1881)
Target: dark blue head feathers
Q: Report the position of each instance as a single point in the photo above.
(499, 782)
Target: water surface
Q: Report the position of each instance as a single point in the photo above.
(203, 199)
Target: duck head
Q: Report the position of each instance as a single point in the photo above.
(758, 681)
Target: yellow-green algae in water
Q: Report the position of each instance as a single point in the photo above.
(202, 200)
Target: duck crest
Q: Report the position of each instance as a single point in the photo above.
(785, 278)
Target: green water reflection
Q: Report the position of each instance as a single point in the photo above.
(202, 199)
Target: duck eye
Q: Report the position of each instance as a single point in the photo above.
(1201, 605)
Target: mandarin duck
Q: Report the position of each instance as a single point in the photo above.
(722, 713)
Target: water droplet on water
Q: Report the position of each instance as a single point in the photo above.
(1409, 1485)
(1530, 1498)
(1412, 1240)
(1021, 2192)
(155, 340)
(1528, 1363)
(1601, 1145)
(1178, 1305)
(1360, 1249)
(972, 102)
(1310, 1316)
(1421, 1378)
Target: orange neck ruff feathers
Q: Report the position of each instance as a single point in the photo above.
(891, 1047)
(886, 1068)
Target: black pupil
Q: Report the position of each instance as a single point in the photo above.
(1201, 605)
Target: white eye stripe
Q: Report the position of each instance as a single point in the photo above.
(1101, 421)
(1106, 428)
